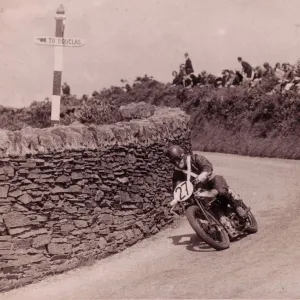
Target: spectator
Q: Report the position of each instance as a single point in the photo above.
(278, 72)
(66, 89)
(238, 79)
(188, 65)
(268, 69)
(228, 78)
(258, 73)
(176, 80)
(247, 69)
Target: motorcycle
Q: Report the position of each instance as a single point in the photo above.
(213, 220)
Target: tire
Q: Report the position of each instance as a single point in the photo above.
(252, 227)
(195, 224)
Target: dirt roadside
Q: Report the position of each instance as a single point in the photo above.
(174, 264)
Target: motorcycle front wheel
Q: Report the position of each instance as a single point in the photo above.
(209, 231)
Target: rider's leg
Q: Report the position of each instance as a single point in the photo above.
(219, 183)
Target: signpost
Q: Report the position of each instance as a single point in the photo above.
(59, 42)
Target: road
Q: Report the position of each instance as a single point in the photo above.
(175, 264)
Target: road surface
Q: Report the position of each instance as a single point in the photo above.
(175, 264)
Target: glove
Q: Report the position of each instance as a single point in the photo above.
(173, 202)
(202, 177)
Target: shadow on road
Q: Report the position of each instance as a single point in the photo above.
(192, 243)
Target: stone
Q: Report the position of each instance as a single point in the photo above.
(26, 260)
(16, 219)
(5, 209)
(102, 243)
(57, 190)
(25, 198)
(28, 165)
(80, 223)
(23, 172)
(5, 245)
(5, 238)
(99, 195)
(30, 187)
(59, 240)
(7, 170)
(63, 179)
(76, 176)
(15, 194)
(41, 240)
(33, 175)
(123, 180)
(49, 205)
(69, 209)
(74, 189)
(33, 233)
(18, 230)
(4, 191)
(129, 234)
(21, 244)
(67, 228)
(106, 219)
(54, 248)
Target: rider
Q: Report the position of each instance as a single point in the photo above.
(202, 169)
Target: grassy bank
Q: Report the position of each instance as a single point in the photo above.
(230, 120)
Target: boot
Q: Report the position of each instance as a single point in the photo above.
(236, 204)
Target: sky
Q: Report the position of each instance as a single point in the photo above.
(129, 38)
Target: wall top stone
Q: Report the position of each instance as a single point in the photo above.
(30, 141)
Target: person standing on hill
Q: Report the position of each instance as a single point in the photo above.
(66, 89)
(188, 65)
(247, 69)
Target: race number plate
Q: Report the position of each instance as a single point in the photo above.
(183, 191)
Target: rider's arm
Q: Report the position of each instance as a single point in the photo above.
(205, 167)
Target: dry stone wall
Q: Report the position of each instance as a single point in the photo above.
(73, 194)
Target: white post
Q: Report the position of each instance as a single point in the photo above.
(58, 66)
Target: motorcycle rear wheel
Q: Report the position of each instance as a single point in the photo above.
(251, 226)
(191, 213)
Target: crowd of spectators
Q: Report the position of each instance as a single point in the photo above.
(287, 76)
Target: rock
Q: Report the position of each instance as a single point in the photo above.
(15, 194)
(76, 176)
(102, 243)
(59, 240)
(74, 189)
(29, 165)
(80, 223)
(54, 248)
(123, 180)
(41, 240)
(5, 238)
(33, 233)
(129, 234)
(67, 228)
(5, 245)
(18, 230)
(33, 175)
(25, 260)
(57, 190)
(63, 179)
(8, 171)
(69, 209)
(5, 209)
(4, 191)
(16, 219)
(99, 195)
(25, 198)
(49, 205)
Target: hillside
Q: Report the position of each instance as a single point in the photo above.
(230, 120)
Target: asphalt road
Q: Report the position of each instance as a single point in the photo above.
(175, 264)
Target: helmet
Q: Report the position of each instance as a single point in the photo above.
(174, 152)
